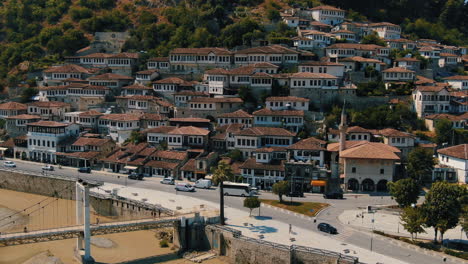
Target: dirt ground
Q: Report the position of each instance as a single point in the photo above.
(140, 247)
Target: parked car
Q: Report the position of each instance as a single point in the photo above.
(327, 228)
(84, 169)
(48, 167)
(295, 194)
(168, 180)
(9, 163)
(184, 187)
(136, 176)
(335, 195)
(203, 183)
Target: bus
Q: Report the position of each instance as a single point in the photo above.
(238, 189)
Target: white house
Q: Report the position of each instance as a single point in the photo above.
(236, 117)
(46, 138)
(328, 14)
(292, 120)
(456, 157)
(429, 100)
(287, 102)
(397, 74)
(250, 139)
(159, 63)
(119, 126)
(333, 68)
(55, 75)
(412, 64)
(459, 82)
(386, 30)
(196, 60)
(308, 149)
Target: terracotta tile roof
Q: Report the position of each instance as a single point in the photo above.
(147, 72)
(236, 114)
(268, 112)
(266, 131)
(320, 63)
(443, 54)
(161, 129)
(170, 154)
(201, 51)
(91, 113)
(230, 128)
(189, 165)
(189, 130)
(217, 71)
(448, 117)
(162, 164)
(49, 104)
(9, 143)
(216, 100)
(162, 59)
(343, 31)
(407, 59)
(398, 69)
(251, 163)
(13, 106)
(458, 151)
(457, 77)
(243, 70)
(24, 117)
(428, 48)
(80, 155)
(85, 141)
(43, 123)
(192, 93)
(69, 68)
(107, 55)
(427, 145)
(273, 49)
(137, 86)
(110, 76)
(312, 75)
(121, 117)
(423, 80)
(152, 117)
(371, 150)
(362, 59)
(357, 129)
(436, 88)
(356, 46)
(190, 119)
(320, 24)
(390, 132)
(270, 150)
(261, 74)
(309, 144)
(264, 65)
(334, 147)
(170, 80)
(286, 99)
(326, 7)
(380, 24)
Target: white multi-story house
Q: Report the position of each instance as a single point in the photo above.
(119, 126)
(359, 64)
(455, 157)
(304, 81)
(182, 98)
(217, 79)
(386, 30)
(458, 121)
(344, 34)
(49, 110)
(309, 149)
(55, 75)
(236, 117)
(292, 120)
(401, 44)
(287, 102)
(17, 125)
(196, 60)
(12, 109)
(429, 100)
(147, 76)
(140, 104)
(429, 52)
(354, 133)
(317, 39)
(136, 89)
(333, 68)
(328, 14)
(111, 80)
(401, 140)
(448, 59)
(250, 139)
(210, 106)
(265, 168)
(343, 50)
(167, 87)
(120, 63)
(46, 138)
(398, 74)
(291, 21)
(183, 137)
(274, 54)
(159, 63)
(411, 64)
(459, 82)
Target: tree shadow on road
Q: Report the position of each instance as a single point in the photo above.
(258, 229)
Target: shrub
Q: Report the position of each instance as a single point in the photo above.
(163, 243)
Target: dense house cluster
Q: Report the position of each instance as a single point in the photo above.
(183, 113)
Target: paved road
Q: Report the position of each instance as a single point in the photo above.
(346, 234)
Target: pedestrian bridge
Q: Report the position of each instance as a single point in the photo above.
(74, 231)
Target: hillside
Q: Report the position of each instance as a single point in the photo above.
(43, 31)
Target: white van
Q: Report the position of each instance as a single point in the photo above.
(203, 183)
(184, 187)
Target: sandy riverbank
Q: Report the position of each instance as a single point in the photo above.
(140, 247)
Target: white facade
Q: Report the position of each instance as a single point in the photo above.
(328, 15)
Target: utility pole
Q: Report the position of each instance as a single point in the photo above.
(83, 217)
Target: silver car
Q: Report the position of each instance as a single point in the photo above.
(9, 163)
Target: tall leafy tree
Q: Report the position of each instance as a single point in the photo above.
(280, 188)
(221, 173)
(444, 131)
(413, 221)
(251, 203)
(443, 207)
(405, 191)
(420, 164)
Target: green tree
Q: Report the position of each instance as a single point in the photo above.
(420, 164)
(235, 155)
(280, 188)
(443, 207)
(373, 39)
(251, 203)
(136, 137)
(413, 220)
(404, 191)
(28, 93)
(444, 131)
(221, 173)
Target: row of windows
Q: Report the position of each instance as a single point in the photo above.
(247, 142)
(314, 83)
(311, 69)
(43, 143)
(354, 170)
(234, 121)
(104, 83)
(201, 106)
(404, 75)
(165, 87)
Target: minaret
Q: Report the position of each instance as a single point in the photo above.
(343, 128)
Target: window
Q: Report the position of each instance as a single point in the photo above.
(382, 171)
(353, 169)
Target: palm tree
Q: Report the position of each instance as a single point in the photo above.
(221, 173)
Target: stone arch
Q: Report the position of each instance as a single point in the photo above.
(382, 186)
(368, 185)
(353, 184)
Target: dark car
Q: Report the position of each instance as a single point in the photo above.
(327, 228)
(295, 194)
(136, 176)
(84, 169)
(335, 195)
